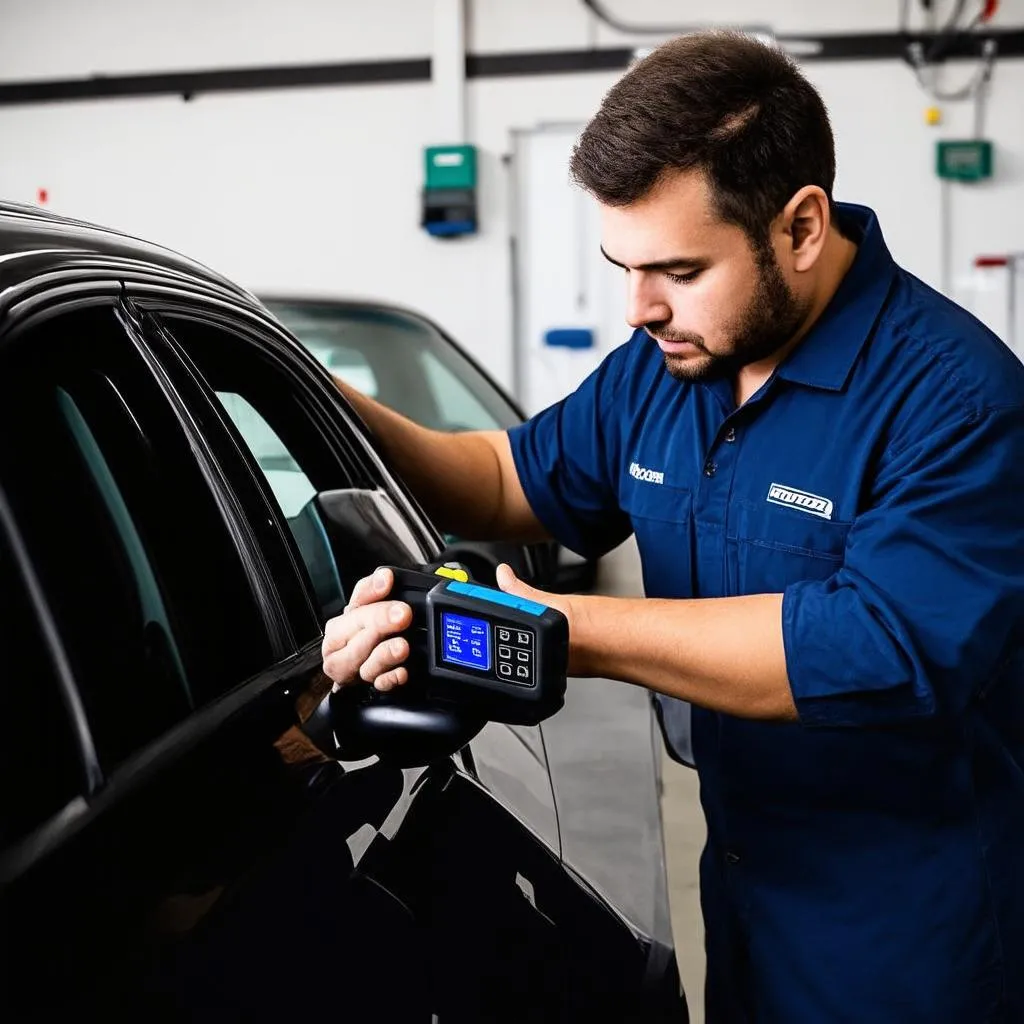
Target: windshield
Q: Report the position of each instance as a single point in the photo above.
(401, 360)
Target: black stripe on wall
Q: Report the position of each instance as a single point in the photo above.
(864, 46)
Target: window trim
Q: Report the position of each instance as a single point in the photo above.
(274, 617)
(334, 416)
(225, 449)
(92, 777)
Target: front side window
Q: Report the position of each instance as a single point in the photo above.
(130, 547)
(271, 413)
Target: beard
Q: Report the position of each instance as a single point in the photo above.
(772, 317)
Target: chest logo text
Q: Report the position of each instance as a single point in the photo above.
(648, 476)
(779, 494)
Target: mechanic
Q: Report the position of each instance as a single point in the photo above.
(822, 460)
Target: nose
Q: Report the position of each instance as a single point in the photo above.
(644, 302)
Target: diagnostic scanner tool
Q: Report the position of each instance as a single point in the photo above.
(482, 648)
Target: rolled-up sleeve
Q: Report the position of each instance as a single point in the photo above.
(930, 596)
(566, 457)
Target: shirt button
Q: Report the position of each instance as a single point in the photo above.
(732, 858)
(730, 435)
(710, 468)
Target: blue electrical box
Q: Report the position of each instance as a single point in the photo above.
(569, 337)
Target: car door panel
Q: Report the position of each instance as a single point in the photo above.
(157, 897)
(227, 868)
(511, 763)
(370, 523)
(511, 766)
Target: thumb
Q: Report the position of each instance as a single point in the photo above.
(510, 583)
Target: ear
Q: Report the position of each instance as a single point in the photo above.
(806, 221)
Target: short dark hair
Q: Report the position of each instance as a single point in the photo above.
(722, 103)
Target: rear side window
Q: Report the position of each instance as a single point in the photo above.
(126, 537)
(40, 770)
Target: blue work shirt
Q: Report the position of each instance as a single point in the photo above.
(865, 863)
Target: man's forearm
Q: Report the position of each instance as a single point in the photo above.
(725, 654)
(459, 478)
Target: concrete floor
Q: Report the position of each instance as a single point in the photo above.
(683, 822)
(682, 817)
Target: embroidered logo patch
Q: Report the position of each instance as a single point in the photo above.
(648, 476)
(780, 494)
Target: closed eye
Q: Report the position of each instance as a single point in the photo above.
(683, 278)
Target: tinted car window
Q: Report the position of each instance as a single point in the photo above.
(146, 587)
(400, 359)
(39, 767)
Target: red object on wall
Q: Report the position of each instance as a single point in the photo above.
(43, 196)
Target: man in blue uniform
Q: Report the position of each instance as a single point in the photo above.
(823, 462)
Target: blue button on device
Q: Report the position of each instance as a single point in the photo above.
(496, 597)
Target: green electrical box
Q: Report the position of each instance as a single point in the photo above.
(451, 166)
(449, 192)
(966, 160)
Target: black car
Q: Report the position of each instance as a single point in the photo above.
(193, 827)
(408, 362)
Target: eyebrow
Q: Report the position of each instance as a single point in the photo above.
(673, 263)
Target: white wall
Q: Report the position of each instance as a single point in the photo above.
(317, 190)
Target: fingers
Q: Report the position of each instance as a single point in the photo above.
(388, 681)
(372, 588)
(360, 636)
(384, 658)
(384, 617)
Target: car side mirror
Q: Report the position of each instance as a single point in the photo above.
(365, 529)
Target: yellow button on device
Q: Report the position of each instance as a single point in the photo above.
(451, 573)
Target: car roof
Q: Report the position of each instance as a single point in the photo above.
(35, 241)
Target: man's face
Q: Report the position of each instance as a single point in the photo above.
(696, 285)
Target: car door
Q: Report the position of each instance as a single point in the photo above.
(282, 413)
(133, 586)
(539, 938)
(185, 851)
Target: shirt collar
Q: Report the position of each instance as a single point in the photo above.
(826, 355)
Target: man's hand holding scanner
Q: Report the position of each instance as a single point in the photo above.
(362, 645)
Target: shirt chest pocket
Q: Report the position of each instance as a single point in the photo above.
(661, 518)
(773, 547)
